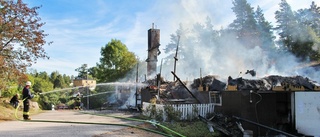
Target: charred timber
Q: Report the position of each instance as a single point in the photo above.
(269, 83)
(260, 125)
(185, 86)
(216, 126)
(225, 124)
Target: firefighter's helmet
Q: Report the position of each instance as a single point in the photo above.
(28, 83)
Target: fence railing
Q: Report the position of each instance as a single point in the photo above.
(188, 111)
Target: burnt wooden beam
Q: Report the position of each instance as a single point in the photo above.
(185, 87)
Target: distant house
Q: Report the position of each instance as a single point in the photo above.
(85, 83)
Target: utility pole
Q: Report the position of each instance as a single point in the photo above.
(87, 89)
(159, 80)
(137, 75)
(176, 59)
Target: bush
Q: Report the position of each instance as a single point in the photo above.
(172, 115)
(154, 113)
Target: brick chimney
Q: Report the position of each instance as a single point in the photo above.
(153, 50)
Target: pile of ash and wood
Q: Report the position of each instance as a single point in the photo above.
(179, 89)
(196, 91)
(275, 83)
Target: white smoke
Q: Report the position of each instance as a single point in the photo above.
(228, 57)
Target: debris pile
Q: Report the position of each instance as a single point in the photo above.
(179, 91)
(268, 83)
(209, 83)
(226, 125)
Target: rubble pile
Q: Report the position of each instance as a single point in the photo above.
(211, 82)
(267, 83)
(177, 90)
(225, 124)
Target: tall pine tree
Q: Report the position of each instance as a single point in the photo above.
(294, 35)
(245, 24)
(310, 17)
(265, 29)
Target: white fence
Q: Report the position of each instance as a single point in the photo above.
(187, 110)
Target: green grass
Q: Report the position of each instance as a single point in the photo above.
(7, 112)
(191, 129)
(195, 128)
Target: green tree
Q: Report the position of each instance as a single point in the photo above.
(13, 88)
(47, 100)
(44, 75)
(21, 39)
(42, 85)
(82, 71)
(245, 24)
(67, 79)
(59, 82)
(115, 62)
(296, 37)
(53, 76)
(265, 29)
(310, 17)
(40, 82)
(310, 20)
(93, 71)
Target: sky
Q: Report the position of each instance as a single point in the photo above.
(80, 28)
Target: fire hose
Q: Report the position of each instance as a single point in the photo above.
(112, 124)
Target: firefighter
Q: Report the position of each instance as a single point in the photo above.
(26, 100)
(14, 101)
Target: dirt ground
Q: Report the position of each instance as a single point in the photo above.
(131, 132)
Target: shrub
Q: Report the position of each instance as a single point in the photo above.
(172, 115)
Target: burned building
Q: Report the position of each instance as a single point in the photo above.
(287, 104)
(278, 102)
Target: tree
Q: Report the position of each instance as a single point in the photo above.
(59, 82)
(265, 30)
(21, 39)
(40, 81)
(93, 71)
(53, 76)
(177, 49)
(66, 79)
(115, 62)
(42, 85)
(44, 76)
(296, 37)
(83, 71)
(310, 20)
(266, 36)
(245, 24)
(310, 17)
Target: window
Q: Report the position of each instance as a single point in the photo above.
(215, 97)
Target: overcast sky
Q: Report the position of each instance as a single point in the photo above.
(79, 28)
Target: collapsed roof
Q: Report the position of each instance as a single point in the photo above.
(212, 83)
(267, 83)
(176, 90)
